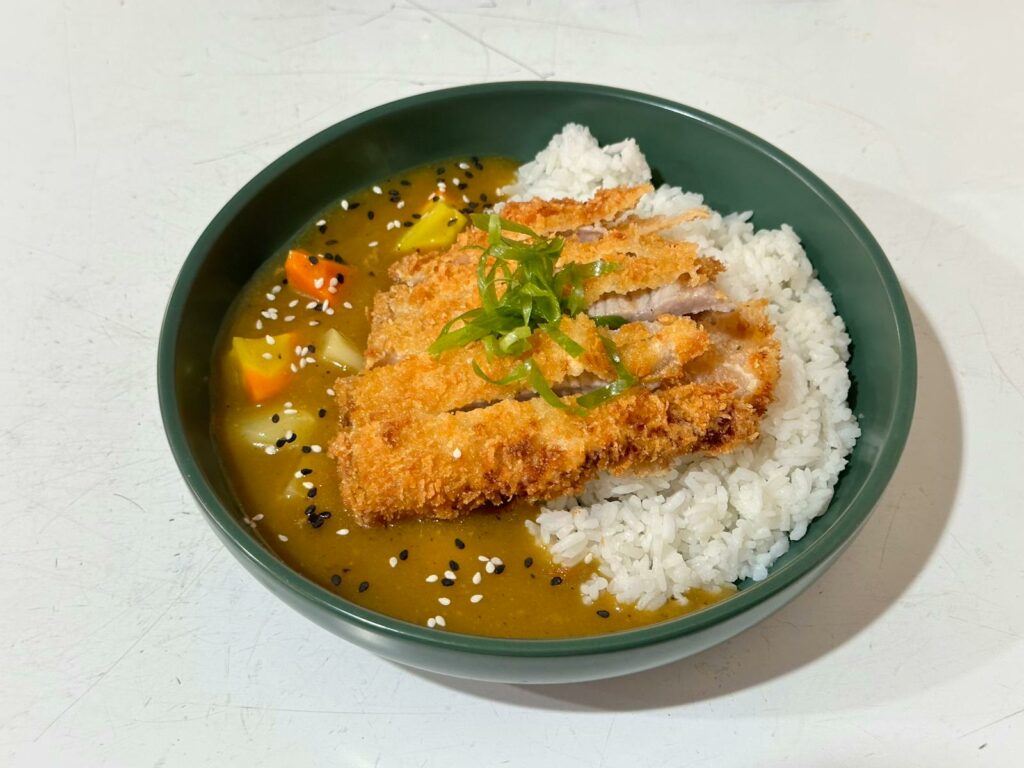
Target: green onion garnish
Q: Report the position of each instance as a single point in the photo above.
(536, 296)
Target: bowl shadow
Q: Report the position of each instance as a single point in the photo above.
(878, 567)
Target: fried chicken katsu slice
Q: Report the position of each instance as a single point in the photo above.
(655, 276)
(409, 462)
(655, 353)
(551, 217)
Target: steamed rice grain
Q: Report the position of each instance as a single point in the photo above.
(709, 521)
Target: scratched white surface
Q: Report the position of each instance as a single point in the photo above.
(129, 637)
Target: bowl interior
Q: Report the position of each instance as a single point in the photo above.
(733, 169)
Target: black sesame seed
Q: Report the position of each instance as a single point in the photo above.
(314, 260)
(335, 579)
(403, 555)
(406, 223)
(275, 418)
(446, 582)
(372, 274)
(311, 493)
(434, 198)
(322, 412)
(483, 197)
(306, 471)
(330, 242)
(556, 580)
(440, 170)
(281, 442)
(341, 278)
(363, 586)
(291, 439)
(369, 215)
(322, 228)
(405, 182)
(603, 613)
(392, 192)
(499, 569)
(453, 565)
(353, 206)
(451, 221)
(460, 544)
(311, 510)
(528, 562)
(311, 347)
(416, 216)
(469, 174)
(306, 449)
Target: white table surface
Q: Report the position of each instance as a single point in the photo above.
(130, 637)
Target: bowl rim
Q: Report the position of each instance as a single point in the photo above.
(782, 575)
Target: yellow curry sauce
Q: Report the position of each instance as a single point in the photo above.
(484, 574)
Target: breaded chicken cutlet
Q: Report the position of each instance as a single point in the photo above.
(427, 436)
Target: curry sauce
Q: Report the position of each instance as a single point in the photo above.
(484, 574)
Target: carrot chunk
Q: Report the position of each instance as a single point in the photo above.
(314, 276)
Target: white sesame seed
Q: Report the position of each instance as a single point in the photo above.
(282, 537)
(258, 517)
(377, 190)
(259, 324)
(373, 244)
(326, 303)
(246, 520)
(293, 303)
(439, 620)
(270, 339)
(271, 297)
(465, 198)
(307, 485)
(332, 289)
(457, 453)
(288, 404)
(431, 622)
(267, 356)
(390, 226)
(477, 578)
(347, 305)
(497, 561)
(401, 204)
(456, 180)
(343, 532)
(464, 166)
(328, 311)
(476, 598)
(315, 448)
(431, 578)
(397, 223)
(289, 411)
(450, 575)
(275, 290)
(298, 350)
(289, 318)
(589, 558)
(295, 368)
(318, 283)
(444, 600)
(330, 392)
(314, 323)
(334, 282)
(298, 474)
(442, 186)
(483, 558)
(312, 305)
(322, 223)
(270, 450)
(310, 359)
(344, 205)
(289, 435)
(393, 561)
(489, 567)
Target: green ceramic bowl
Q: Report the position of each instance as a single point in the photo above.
(734, 169)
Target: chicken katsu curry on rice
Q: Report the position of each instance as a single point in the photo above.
(541, 401)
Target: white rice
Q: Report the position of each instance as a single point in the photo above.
(709, 521)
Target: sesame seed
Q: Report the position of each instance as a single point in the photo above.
(457, 453)
(393, 561)
(431, 578)
(401, 204)
(483, 558)
(489, 567)
(322, 412)
(363, 586)
(307, 485)
(322, 226)
(267, 356)
(369, 215)
(589, 558)
(476, 598)
(431, 622)
(372, 244)
(330, 392)
(305, 471)
(499, 569)
(449, 574)
(315, 448)
(477, 578)
(447, 582)
(271, 297)
(282, 537)
(377, 190)
(344, 205)
(311, 493)
(259, 324)
(403, 555)
(439, 620)
(528, 562)
(464, 166)
(456, 181)
(270, 450)
(603, 614)
(343, 532)
(269, 339)
(556, 580)
(453, 565)
(460, 544)
(289, 318)
(293, 303)
(258, 517)
(335, 579)
(444, 600)
(347, 305)
(318, 283)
